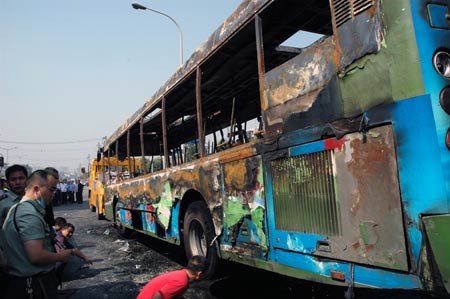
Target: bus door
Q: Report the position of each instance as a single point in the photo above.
(338, 199)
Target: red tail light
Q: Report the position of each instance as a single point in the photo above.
(444, 99)
(447, 139)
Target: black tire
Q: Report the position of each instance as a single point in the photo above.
(198, 233)
(99, 215)
(123, 231)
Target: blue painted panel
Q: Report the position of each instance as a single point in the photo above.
(437, 15)
(385, 279)
(125, 215)
(429, 40)
(148, 221)
(173, 231)
(307, 148)
(362, 275)
(421, 175)
(308, 262)
(251, 236)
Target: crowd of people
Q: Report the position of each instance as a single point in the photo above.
(68, 191)
(35, 246)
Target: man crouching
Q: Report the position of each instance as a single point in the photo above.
(175, 283)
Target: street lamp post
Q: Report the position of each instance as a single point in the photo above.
(139, 6)
(7, 152)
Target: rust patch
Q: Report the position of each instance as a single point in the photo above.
(369, 248)
(233, 177)
(369, 196)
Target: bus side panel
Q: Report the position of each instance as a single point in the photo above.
(429, 40)
(153, 200)
(244, 208)
(340, 199)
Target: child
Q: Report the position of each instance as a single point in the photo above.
(62, 242)
(59, 221)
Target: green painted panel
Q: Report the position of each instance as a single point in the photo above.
(393, 73)
(437, 228)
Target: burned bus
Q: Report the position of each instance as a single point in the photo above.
(327, 162)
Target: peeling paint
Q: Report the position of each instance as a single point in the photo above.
(244, 205)
(368, 232)
(164, 206)
(368, 190)
(368, 60)
(148, 219)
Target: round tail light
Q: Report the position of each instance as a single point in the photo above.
(444, 99)
(447, 139)
(441, 62)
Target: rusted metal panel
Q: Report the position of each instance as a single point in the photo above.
(164, 132)
(237, 153)
(359, 34)
(308, 71)
(367, 187)
(260, 57)
(296, 86)
(162, 190)
(141, 137)
(311, 78)
(198, 100)
(246, 10)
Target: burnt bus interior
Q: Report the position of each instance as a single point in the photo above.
(225, 83)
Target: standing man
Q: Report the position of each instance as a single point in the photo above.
(28, 242)
(79, 193)
(71, 191)
(49, 215)
(63, 187)
(16, 178)
(174, 284)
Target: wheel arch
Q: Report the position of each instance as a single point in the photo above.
(188, 198)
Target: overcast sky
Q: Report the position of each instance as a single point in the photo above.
(72, 72)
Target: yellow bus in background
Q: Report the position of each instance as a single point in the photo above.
(108, 170)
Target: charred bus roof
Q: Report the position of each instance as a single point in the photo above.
(229, 67)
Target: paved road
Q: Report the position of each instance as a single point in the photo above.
(122, 267)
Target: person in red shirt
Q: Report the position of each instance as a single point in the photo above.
(174, 284)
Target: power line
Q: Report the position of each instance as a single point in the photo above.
(48, 143)
(53, 160)
(40, 150)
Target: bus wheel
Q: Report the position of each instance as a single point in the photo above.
(99, 214)
(198, 234)
(123, 231)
